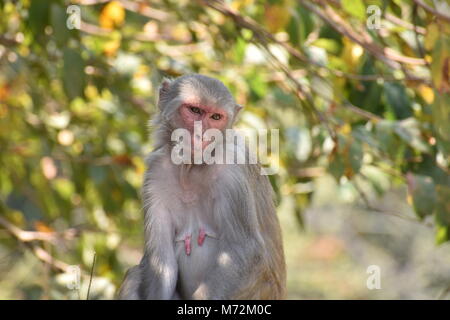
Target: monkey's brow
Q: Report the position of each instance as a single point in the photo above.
(204, 107)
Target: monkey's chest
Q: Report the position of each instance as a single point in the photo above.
(196, 248)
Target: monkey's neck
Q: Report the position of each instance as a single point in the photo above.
(184, 170)
(163, 141)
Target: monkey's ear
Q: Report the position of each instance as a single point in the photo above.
(163, 91)
(238, 109)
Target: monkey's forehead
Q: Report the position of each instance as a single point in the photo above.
(209, 94)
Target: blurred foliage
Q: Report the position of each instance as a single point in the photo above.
(364, 105)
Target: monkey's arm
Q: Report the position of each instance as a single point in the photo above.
(129, 290)
(155, 277)
(158, 267)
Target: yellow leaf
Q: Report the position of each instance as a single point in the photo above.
(112, 15)
(91, 92)
(427, 93)
(345, 129)
(409, 199)
(277, 17)
(139, 165)
(431, 36)
(42, 227)
(440, 67)
(239, 4)
(4, 91)
(111, 47)
(180, 33)
(351, 53)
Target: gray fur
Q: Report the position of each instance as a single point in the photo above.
(242, 255)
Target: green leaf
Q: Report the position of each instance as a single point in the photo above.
(441, 120)
(398, 99)
(258, 85)
(348, 158)
(58, 20)
(423, 192)
(409, 131)
(336, 167)
(330, 45)
(442, 234)
(439, 65)
(64, 187)
(73, 73)
(300, 26)
(443, 205)
(355, 8)
(239, 50)
(38, 16)
(356, 155)
(98, 174)
(442, 212)
(387, 139)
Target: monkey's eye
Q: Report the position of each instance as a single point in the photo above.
(196, 110)
(216, 116)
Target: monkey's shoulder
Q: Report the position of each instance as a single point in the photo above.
(158, 156)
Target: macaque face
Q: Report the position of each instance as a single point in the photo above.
(210, 117)
(195, 101)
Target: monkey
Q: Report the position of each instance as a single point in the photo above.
(210, 230)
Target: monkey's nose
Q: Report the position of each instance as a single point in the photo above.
(198, 142)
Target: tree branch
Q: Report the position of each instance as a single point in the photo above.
(139, 7)
(389, 56)
(259, 32)
(28, 236)
(263, 37)
(438, 14)
(8, 42)
(404, 24)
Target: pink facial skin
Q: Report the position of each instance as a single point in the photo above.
(211, 117)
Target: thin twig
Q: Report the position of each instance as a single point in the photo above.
(145, 10)
(27, 236)
(46, 257)
(404, 24)
(300, 92)
(438, 14)
(8, 42)
(93, 29)
(416, 35)
(140, 7)
(90, 278)
(368, 206)
(258, 31)
(263, 37)
(389, 56)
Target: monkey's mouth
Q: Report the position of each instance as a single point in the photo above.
(198, 142)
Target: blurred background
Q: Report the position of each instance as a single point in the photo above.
(360, 91)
